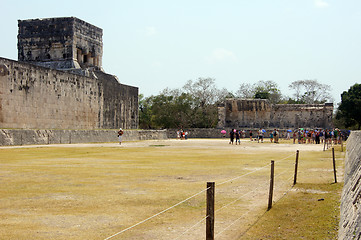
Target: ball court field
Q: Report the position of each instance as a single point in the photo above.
(151, 189)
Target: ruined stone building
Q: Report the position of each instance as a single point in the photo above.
(260, 113)
(58, 81)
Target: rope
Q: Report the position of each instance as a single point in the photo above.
(231, 224)
(285, 157)
(252, 171)
(261, 185)
(243, 175)
(155, 215)
(192, 227)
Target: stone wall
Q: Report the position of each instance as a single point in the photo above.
(60, 43)
(197, 133)
(216, 132)
(9, 137)
(350, 220)
(260, 113)
(37, 97)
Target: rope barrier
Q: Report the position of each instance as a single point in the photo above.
(285, 158)
(252, 171)
(232, 179)
(240, 197)
(231, 224)
(156, 214)
(243, 175)
(192, 227)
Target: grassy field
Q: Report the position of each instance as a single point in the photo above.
(94, 191)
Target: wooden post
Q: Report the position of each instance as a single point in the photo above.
(270, 197)
(210, 211)
(334, 164)
(296, 167)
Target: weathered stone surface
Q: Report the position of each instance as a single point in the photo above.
(9, 137)
(60, 43)
(37, 97)
(260, 113)
(58, 82)
(350, 220)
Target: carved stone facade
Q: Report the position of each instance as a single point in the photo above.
(58, 82)
(260, 113)
(60, 43)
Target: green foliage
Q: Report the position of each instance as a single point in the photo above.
(194, 106)
(349, 111)
(262, 95)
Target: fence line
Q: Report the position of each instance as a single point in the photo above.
(261, 185)
(252, 171)
(285, 182)
(156, 214)
(279, 186)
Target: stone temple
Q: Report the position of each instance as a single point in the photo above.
(58, 81)
(260, 113)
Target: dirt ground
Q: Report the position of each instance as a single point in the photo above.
(285, 145)
(141, 183)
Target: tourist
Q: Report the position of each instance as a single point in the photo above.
(243, 133)
(250, 135)
(335, 136)
(288, 135)
(260, 135)
(276, 135)
(308, 136)
(322, 135)
(294, 136)
(237, 137)
(120, 134)
(313, 136)
(299, 136)
(271, 137)
(317, 136)
(231, 137)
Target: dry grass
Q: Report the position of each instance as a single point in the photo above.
(92, 192)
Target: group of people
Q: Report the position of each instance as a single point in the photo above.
(235, 135)
(182, 134)
(318, 136)
(300, 135)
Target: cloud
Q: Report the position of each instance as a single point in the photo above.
(221, 55)
(150, 31)
(321, 3)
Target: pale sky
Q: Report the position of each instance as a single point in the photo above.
(154, 44)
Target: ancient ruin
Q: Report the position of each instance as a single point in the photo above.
(260, 113)
(59, 83)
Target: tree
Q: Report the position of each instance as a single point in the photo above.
(245, 91)
(205, 96)
(349, 110)
(310, 92)
(145, 112)
(260, 90)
